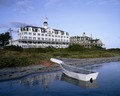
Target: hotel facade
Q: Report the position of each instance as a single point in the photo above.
(41, 37)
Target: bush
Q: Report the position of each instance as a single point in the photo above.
(39, 50)
(75, 47)
(97, 48)
(13, 48)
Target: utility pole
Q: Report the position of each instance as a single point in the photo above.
(10, 30)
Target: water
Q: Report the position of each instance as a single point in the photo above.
(58, 84)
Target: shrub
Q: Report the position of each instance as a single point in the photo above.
(39, 50)
(13, 48)
(75, 47)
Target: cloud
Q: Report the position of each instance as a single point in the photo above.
(2, 26)
(51, 2)
(14, 24)
(17, 24)
(24, 6)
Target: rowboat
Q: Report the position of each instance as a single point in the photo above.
(75, 72)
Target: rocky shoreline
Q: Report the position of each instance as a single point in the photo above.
(17, 72)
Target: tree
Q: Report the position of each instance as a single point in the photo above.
(4, 38)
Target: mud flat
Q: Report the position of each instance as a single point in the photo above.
(17, 72)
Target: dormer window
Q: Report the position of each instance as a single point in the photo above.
(62, 33)
(38, 30)
(43, 30)
(29, 29)
(56, 32)
(35, 30)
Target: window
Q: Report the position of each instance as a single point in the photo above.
(43, 30)
(38, 34)
(30, 33)
(29, 29)
(24, 46)
(42, 38)
(25, 37)
(38, 30)
(34, 33)
(56, 32)
(30, 37)
(62, 33)
(42, 34)
(38, 38)
(34, 38)
(35, 30)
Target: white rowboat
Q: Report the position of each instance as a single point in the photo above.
(75, 72)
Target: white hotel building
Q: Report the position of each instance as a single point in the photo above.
(41, 37)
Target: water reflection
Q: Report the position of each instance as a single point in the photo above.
(46, 78)
(79, 83)
(43, 79)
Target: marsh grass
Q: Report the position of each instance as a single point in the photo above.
(25, 57)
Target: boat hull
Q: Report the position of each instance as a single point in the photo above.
(79, 76)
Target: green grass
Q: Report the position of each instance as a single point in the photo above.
(12, 57)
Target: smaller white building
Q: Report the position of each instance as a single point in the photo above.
(41, 37)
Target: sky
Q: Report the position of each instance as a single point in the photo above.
(99, 18)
